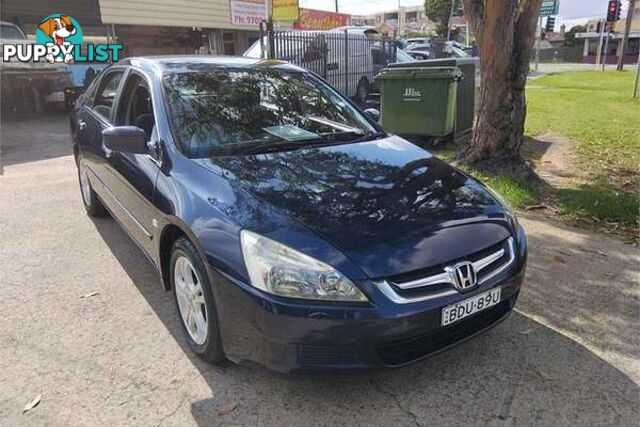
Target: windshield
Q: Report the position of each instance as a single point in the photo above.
(459, 53)
(402, 56)
(235, 112)
(10, 32)
(255, 51)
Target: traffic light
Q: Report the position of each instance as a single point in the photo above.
(551, 24)
(613, 10)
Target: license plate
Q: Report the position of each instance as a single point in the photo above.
(458, 311)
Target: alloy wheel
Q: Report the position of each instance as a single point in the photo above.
(191, 303)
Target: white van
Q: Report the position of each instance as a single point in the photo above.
(342, 56)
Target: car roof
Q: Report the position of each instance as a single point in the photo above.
(170, 64)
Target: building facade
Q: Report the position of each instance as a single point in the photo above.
(596, 51)
(402, 21)
(152, 26)
(228, 27)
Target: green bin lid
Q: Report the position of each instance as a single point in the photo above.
(421, 73)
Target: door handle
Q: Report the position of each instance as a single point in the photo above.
(82, 125)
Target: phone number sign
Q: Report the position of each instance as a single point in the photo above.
(247, 12)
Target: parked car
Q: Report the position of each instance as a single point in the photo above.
(419, 55)
(417, 43)
(38, 84)
(381, 58)
(292, 230)
(341, 56)
(11, 33)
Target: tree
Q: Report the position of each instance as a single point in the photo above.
(570, 36)
(439, 12)
(505, 32)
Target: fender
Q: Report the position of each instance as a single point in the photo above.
(167, 222)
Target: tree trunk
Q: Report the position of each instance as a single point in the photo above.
(505, 32)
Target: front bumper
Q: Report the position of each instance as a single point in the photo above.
(287, 335)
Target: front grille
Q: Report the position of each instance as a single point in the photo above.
(436, 281)
(407, 350)
(438, 268)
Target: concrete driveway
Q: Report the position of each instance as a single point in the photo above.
(85, 322)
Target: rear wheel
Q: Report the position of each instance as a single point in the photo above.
(92, 203)
(195, 303)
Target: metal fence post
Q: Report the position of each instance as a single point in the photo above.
(346, 62)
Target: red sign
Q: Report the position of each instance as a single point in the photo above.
(320, 20)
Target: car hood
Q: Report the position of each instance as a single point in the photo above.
(387, 204)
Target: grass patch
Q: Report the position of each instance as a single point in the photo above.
(517, 193)
(598, 203)
(594, 110)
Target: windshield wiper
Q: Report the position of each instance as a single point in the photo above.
(270, 147)
(369, 137)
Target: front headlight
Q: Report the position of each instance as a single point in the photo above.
(280, 270)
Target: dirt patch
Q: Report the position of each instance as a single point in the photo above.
(571, 184)
(554, 158)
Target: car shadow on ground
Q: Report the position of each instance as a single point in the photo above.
(520, 372)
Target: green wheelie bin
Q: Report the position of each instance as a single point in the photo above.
(419, 101)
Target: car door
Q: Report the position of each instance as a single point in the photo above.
(132, 177)
(92, 118)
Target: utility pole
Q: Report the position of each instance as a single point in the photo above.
(625, 39)
(599, 50)
(606, 50)
(271, 49)
(453, 5)
(635, 85)
(336, 3)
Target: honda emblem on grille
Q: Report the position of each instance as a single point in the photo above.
(463, 275)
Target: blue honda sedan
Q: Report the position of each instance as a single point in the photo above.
(292, 230)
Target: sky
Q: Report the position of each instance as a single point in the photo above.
(570, 10)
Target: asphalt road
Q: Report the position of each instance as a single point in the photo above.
(569, 354)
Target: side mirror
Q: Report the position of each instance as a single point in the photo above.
(373, 114)
(126, 139)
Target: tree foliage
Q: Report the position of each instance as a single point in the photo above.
(570, 36)
(438, 11)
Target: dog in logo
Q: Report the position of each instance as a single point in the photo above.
(58, 29)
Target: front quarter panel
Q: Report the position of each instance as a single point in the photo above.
(215, 210)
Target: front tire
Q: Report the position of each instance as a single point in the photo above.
(90, 200)
(195, 303)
